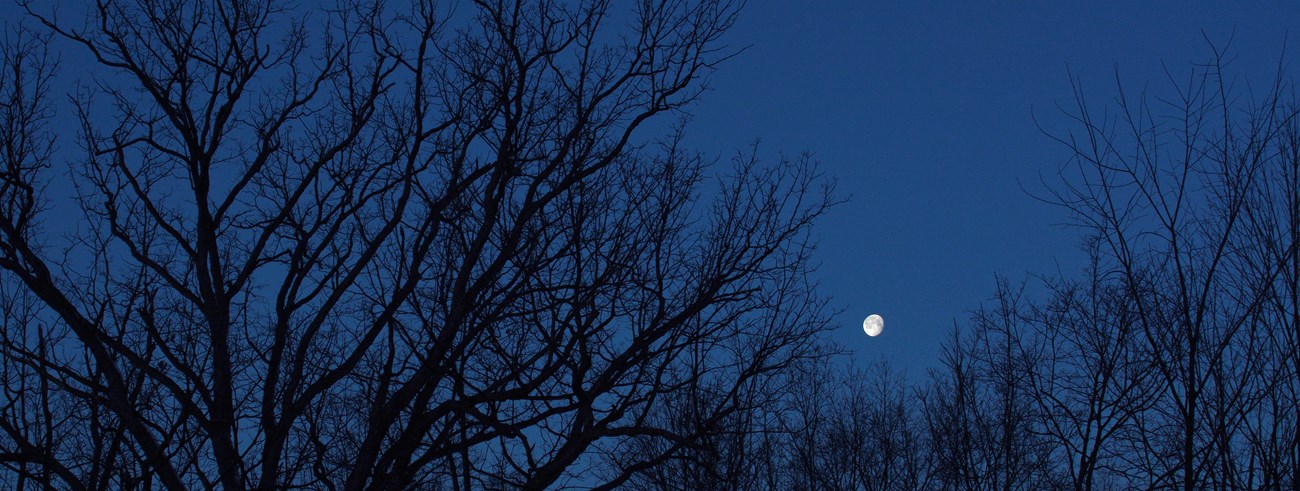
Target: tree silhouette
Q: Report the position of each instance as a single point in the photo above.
(1182, 193)
(247, 245)
(1091, 377)
(383, 246)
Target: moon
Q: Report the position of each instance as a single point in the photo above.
(873, 325)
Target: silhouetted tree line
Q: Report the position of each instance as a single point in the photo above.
(407, 245)
(1170, 360)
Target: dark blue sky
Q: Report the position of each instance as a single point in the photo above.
(922, 111)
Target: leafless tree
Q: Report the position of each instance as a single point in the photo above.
(1090, 375)
(383, 246)
(878, 433)
(1170, 363)
(955, 424)
(1176, 189)
(852, 428)
(1273, 223)
(984, 428)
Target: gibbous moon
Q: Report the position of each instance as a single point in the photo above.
(873, 325)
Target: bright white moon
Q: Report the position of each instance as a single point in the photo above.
(873, 325)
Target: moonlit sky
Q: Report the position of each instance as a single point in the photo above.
(923, 113)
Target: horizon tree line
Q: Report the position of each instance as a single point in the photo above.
(407, 245)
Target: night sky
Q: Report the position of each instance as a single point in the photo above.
(380, 304)
(924, 113)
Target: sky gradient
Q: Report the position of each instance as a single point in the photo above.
(925, 114)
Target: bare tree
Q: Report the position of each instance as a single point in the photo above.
(955, 425)
(1090, 375)
(847, 428)
(379, 246)
(1273, 222)
(32, 406)
(984, 428)
(878, 433)
(1171, 187)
